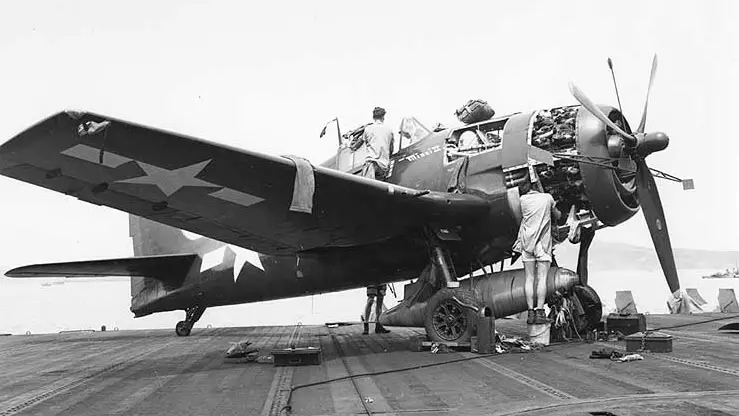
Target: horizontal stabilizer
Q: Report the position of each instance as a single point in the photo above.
(170, 269)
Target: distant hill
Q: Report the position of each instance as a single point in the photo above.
(617, 256)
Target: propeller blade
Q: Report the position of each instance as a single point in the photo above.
(643, 122)
(655, 217)
(585, 101)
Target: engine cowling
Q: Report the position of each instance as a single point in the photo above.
(575, 134)
(585, 155)
(612, 195)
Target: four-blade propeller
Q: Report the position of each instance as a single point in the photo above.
(638, 146)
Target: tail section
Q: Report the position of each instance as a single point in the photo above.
(211, 278)
(144, 290)
(151, 238)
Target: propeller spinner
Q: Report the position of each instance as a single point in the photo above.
(638, 146)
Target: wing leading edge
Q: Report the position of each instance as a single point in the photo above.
(235, 196)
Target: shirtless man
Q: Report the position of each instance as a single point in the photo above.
(535, 244)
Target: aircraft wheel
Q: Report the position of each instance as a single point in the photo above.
(447, 319)
(592, 307)
(183, 329)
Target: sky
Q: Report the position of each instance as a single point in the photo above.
(266, 76)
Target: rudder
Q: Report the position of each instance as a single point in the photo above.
(150, 238)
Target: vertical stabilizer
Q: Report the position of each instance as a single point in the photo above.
(150, 238)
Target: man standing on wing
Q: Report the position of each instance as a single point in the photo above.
(378, 138)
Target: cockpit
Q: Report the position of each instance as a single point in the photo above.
(474, 139)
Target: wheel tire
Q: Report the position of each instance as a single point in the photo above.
(592, 306)
(182, 329)
(447, 320)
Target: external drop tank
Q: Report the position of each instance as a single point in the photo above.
(503, 292)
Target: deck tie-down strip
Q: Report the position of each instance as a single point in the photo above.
(283, 380)
(692, 363)
(523, 379)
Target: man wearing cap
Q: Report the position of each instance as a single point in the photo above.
(378, 138)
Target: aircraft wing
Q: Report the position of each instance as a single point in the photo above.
(232, 195)
(170, 269)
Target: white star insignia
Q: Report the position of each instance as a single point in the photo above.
(171, 181)
(242, 256)
(218, 257)
(168, 181)
(212, 259)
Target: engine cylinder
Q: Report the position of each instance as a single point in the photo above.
(587, 185)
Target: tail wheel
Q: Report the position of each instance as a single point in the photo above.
(183, 329)
(592, 308)
(448, 316)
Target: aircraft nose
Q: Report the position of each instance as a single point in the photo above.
(652, 142)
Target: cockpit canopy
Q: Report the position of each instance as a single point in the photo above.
(411, 131)
(474, 138)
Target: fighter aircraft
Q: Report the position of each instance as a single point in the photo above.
(214, 225)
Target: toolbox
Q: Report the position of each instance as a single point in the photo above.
(626, 324)
(652, 342)
(297, 356)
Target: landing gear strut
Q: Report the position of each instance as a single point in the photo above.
(451, 311)
(192, 315)
(590, 311)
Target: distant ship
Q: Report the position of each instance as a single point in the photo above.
(726, 274)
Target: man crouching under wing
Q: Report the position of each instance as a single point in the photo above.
(535, 245)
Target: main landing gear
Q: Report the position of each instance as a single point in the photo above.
(192, 315)
(451, 311)
(449, 317)
(590, 309)
(589, 312)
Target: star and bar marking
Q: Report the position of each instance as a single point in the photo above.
(166, 180)
(171, 181)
